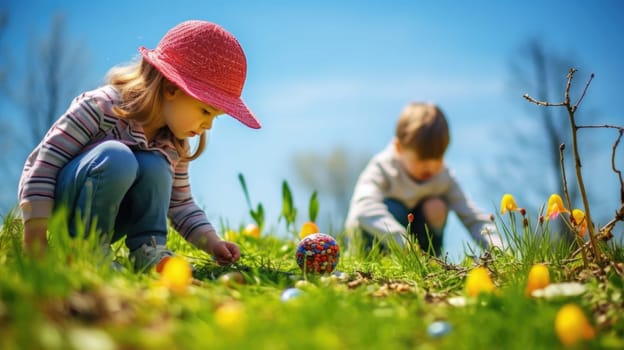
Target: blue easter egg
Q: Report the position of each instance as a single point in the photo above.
(291, 293)
(439, 328)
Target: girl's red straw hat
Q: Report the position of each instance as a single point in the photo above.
(208, 63)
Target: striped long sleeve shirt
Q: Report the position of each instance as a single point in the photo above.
(89, 121)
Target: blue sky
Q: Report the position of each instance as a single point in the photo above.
(327, 74)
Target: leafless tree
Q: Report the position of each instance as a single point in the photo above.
(54, 67)
(537, 69)
(333, 176)
(531, 160)
(4, 20)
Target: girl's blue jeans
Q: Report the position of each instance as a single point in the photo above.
(117, 191)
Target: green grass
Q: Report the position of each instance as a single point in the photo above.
(71, 299)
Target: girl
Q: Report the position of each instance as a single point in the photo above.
(118, 158)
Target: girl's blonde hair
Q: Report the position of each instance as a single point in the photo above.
(423, 129)
(141, 89)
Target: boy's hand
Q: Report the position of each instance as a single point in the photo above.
(225, 253)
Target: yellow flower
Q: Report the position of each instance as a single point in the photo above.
(479, 281)
(572, 326)
(230, 235)
(308, 228)
(555, 206)
(508, 203)
(539, 277)
(580, 223)
(175, 274)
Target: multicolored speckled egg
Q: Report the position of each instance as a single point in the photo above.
(318, 253)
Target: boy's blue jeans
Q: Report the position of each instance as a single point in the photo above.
(119, 190)
(419, 228)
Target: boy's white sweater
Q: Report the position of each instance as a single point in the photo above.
(384, 177)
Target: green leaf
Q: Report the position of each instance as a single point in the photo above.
(241, 178)
(313, 206)
(289, 212)
(258, 216)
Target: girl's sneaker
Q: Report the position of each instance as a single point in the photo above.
(146, 257)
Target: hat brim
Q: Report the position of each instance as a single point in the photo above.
(231, 105)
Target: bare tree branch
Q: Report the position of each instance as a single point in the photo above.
(537, 68)
(591, 77)
(605, 233)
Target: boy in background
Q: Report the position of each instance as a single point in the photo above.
(410, 177)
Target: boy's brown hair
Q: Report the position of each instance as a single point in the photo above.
(423, 129)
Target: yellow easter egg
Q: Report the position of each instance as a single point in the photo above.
(478, 281)
(539, 278)
(572, 326)
(176, 274)
(230, 315)
(232, 279)
(307, 229)
(252, 230)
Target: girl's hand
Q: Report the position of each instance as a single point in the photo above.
(225, 253)
(35, 241)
